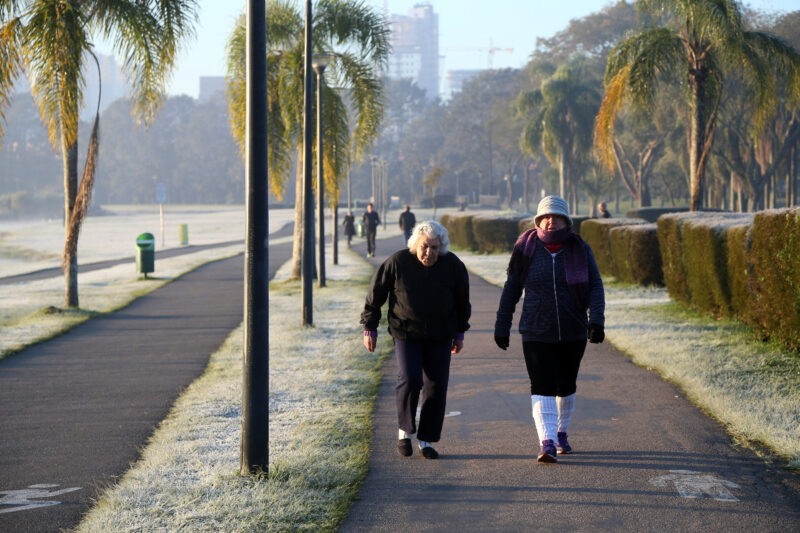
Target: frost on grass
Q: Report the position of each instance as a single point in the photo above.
(751, 386)
(322, 387)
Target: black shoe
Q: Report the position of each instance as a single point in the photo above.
(429, 453)
(404, 447)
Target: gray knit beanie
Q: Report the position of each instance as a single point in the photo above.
(552, 205)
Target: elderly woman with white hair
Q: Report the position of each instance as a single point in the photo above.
(558, 273)
(427, 287)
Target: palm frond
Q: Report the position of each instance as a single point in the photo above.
(83, 198)
(613, 100)
(55, 78)
(11, 64)
(350, 23)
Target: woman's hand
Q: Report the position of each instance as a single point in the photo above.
(370, 342)
(458, 345)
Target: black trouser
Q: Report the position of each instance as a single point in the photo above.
(553, 366)
(422, 366)
(371, 241)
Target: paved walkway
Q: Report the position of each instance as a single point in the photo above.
(76, 411)
(646, 459)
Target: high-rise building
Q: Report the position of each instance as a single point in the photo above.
(415, 47)
(114, 84)
(210, 87)
(455, 79)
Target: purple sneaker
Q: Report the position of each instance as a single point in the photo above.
(563, 445)
(548, 453)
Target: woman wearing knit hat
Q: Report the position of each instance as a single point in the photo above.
(558, 273)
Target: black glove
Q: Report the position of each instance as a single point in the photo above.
(501, 342)
(596, 333)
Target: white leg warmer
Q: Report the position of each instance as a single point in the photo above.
(566, 404)
(545, 416)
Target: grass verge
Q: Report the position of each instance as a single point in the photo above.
(322, 389)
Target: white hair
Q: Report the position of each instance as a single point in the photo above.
(429, 228)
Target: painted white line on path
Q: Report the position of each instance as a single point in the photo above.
(22, 499)
(691, 484)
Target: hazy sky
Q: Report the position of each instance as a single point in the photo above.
(466, 29)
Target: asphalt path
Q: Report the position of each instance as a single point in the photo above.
(645, 458)
(75, 411)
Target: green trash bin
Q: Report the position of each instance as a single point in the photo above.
(145, 253)
(362, 231)
(183, 234)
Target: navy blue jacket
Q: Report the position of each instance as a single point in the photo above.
(425, 303)
(549, 312)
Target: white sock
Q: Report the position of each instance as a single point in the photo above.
(566, 404)
(403, 435)
(424, 444)
(545, 416)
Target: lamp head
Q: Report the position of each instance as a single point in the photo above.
(321, 60)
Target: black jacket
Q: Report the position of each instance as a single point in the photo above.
(425, 303)
(407, 221)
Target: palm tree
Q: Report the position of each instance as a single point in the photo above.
(358, 38)
(563, 112)
(49, 40)
(697, 41)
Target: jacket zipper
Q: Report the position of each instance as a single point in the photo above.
(555, 295)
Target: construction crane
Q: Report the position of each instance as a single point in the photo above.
(491, 51)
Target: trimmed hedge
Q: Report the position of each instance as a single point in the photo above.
(737, 243)
(595, 232)
(459, 229)
(635, 257)
(697, 243)
(775, 279)
(495, 233)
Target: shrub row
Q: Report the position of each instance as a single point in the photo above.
(635, 257)
(651, 214)
(482, 232)
(694, 248)
(773, 276)
(596, 233)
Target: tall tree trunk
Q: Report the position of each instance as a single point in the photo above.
(69, 157)
(297, 240)
(697, 141)
(335, 229)
(562, 178)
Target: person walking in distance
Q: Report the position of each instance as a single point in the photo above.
(428, 291)
(559, 275)
(407, 222)
(349, 226)
(371, 221)
(602, 211)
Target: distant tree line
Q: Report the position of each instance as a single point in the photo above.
(188, 147)
(516, 133)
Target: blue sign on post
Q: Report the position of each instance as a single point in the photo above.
(161, 193)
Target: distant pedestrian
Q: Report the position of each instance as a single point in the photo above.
(428, 291)
(558, 273)
(407, 222)
(371, 221)
(602, 211)
(349, 226)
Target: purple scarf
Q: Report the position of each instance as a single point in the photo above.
(576, 261)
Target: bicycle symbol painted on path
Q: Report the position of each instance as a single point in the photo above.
(691, 484)
(23, 499)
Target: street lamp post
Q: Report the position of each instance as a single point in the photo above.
(319, 62)
(384, 192)
(254, 450)
(308, 198)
